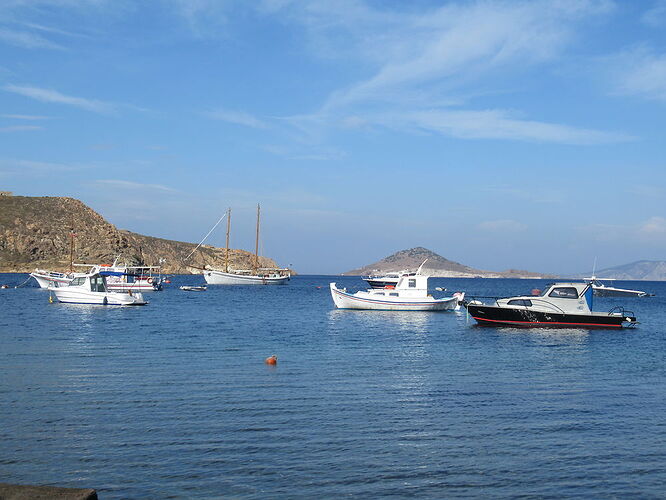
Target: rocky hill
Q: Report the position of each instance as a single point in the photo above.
(35, 232)
(436, 266)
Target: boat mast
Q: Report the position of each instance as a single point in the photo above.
(226, 254)
(71, 251)
(256, 245)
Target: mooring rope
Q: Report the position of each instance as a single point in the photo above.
(22, 284)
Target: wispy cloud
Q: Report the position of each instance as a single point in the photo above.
(20, 128)
(422, 61)
(655, 16)
(236, 117)
(22, 166)
(502, 226)
(654, 227)
(497, 124)
(53, 96)
(27, 40)
(130, 185)
(26, 117)
(639, 71)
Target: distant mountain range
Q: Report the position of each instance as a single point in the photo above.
(436, 265)
(647, 270)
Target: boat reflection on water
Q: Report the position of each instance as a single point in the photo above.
(412, 321)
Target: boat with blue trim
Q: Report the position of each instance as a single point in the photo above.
(91, 289)
(565, 305)
(409, 294)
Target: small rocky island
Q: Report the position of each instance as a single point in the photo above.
(436, 265)
(35, 232)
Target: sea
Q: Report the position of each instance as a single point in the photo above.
(174, 400)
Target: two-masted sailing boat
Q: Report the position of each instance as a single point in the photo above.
(255, 276)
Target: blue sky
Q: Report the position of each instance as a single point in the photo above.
(499, 134)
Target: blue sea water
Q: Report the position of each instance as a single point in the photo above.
(173, 400)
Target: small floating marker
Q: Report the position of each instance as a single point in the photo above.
(271, 360)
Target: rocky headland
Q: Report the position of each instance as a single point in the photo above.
(35, 233)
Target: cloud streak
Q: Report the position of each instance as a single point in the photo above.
(20, 128)
(640, 71)
(55, 97)
(129, 185)
(237, 118)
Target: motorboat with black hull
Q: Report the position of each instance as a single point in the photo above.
(564, 305)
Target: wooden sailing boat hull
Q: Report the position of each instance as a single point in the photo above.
(221, 278)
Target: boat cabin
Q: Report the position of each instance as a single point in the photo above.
(411, 285)
(557, 297)
(96, 282)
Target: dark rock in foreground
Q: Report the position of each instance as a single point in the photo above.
(27, 492)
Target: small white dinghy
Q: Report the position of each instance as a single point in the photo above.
(192, 288)
(410, 294)
(91, 289)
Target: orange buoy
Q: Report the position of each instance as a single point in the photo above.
(271, 360)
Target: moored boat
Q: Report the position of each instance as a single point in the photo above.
(51, 279)
(91, 289)
(384, 280)
(255, 276)
(193, 288)
(409, 294)
(567, 305)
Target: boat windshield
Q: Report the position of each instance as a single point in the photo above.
(97, 284)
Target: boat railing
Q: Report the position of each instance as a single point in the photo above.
(620, 311)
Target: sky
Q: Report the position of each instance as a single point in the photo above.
(499, 134)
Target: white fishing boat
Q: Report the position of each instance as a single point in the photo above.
(255, 276)
(51, 279)
(124, 278)
(409, 294)
(91, 289)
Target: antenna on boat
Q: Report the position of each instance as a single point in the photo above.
(226, 253)
(256, 244)
(418, 271)
(594, 268)
(72, 234)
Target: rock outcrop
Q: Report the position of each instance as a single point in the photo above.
(36, 232)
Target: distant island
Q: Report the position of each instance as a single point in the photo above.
(439, 266)
(35, 232)
(436, 265)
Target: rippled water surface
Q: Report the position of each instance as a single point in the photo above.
(174, 399)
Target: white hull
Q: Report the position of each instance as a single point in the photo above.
(213, 277)
(75, 295)
(47, 280)
(365, 300)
